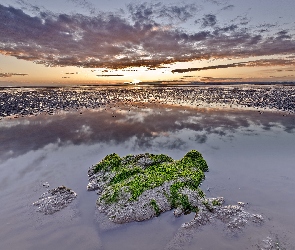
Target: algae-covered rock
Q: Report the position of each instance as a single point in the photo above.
(139, 187)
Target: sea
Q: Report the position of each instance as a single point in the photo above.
(250, 154)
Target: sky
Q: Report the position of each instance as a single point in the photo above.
(71, 42)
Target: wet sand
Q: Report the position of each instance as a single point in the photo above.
(250, 157)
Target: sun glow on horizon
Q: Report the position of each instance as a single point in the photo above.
(213, 71)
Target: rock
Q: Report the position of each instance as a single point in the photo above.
(234, 216)
(139, 187)
(46, 185)
(177, 212)
(242, 204)
(55, 199)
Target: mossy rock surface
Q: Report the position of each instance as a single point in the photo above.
(138, 187)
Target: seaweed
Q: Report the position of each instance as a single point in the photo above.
(155, 206)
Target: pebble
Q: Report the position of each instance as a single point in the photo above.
(46, 184)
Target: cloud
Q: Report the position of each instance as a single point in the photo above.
(109, 75)
(209, 20)
(283, 34)
(217, 2)
(85, 5)
(262, 62)
(200, 138)
(29, 7)
(150, 12)
(148, 35)
(220, 79)
(142, 13)
(182, 13)
(228, 7)
(11, 74)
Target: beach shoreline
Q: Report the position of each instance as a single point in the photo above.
(16, 102)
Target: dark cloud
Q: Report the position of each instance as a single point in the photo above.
(148, 12)
(182, 13)
(11, 74)
(217, 2)
(281, 35)
(228, 7)
(142, 13)
(209, 20)
(145, 38)
(240, 20)
(220, 79)
(226, 29)
(110, 75)
(208, 67)
(262, 62)
(266, 25)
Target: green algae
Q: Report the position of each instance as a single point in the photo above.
(155, 206)
(135, 174)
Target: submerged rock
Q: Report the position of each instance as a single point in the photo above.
(55, 199)
(272, 242)
(234, 219)
(234, 216)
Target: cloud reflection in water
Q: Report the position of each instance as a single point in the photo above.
(140, 127)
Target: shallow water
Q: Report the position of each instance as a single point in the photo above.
(251, 158)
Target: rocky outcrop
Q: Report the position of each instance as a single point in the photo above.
(140, 187)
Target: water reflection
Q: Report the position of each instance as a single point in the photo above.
(143, 127)
(60, 148)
